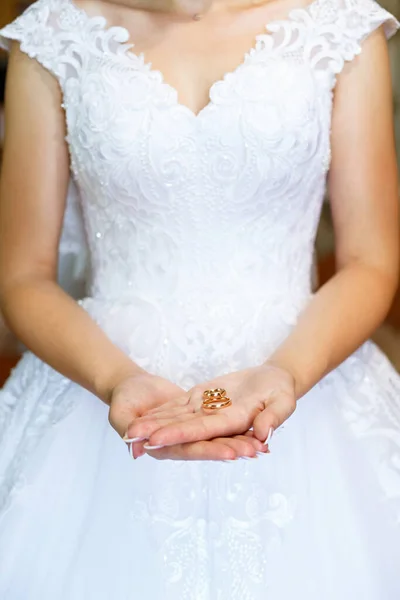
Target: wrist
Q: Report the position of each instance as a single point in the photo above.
(106, 383)
(278, 363)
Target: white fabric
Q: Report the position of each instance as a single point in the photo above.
(177, 207)
(73, 251)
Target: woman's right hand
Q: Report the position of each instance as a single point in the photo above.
(136, 395)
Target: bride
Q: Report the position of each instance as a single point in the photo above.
(201, 137)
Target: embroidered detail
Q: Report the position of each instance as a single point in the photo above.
(32, 401)
(175, 207)
(368, 397)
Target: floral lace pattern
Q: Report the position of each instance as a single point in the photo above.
(23, 423)
(369, 402)
(177, 206)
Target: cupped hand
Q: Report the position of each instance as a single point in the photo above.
(135, 396)
(262, 399)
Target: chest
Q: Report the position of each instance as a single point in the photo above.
(266, 127)
(193, 55)
(266, 119)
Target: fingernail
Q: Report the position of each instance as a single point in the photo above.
(152, 447)
(132, 440)
(261, 453)
(270, 433)
(229, 460)
(247, 457)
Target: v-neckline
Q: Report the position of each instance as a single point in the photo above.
(128, 45)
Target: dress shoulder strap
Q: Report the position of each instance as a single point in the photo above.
(359, 18)
(46, 31)
(332, 32)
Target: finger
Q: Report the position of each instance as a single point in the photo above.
(137, 450)
(142, 429)
(206, 450)
(256, 444)
(274, 414)
(198, 427)
(244, 446)
(240, 445)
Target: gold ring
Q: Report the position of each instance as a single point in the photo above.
(216, 393)
(216, 404)
(215, 399)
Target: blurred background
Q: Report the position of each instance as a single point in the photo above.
(387, 337)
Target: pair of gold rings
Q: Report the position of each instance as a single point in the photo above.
(215, 399)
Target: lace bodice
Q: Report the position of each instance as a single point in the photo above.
(181, 208)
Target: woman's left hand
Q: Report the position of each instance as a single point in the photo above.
(262, 398)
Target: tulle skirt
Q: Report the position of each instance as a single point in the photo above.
(317, 519)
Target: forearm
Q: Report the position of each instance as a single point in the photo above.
(62, 334)
(340, 317)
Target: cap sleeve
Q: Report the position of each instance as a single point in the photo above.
(358, 19)
(339, 28)
(37, 30)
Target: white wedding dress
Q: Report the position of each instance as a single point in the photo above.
(201, 231)
(73, 250)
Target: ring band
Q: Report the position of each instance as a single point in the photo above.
(215, 399)
(216, 404)
(216, 393)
